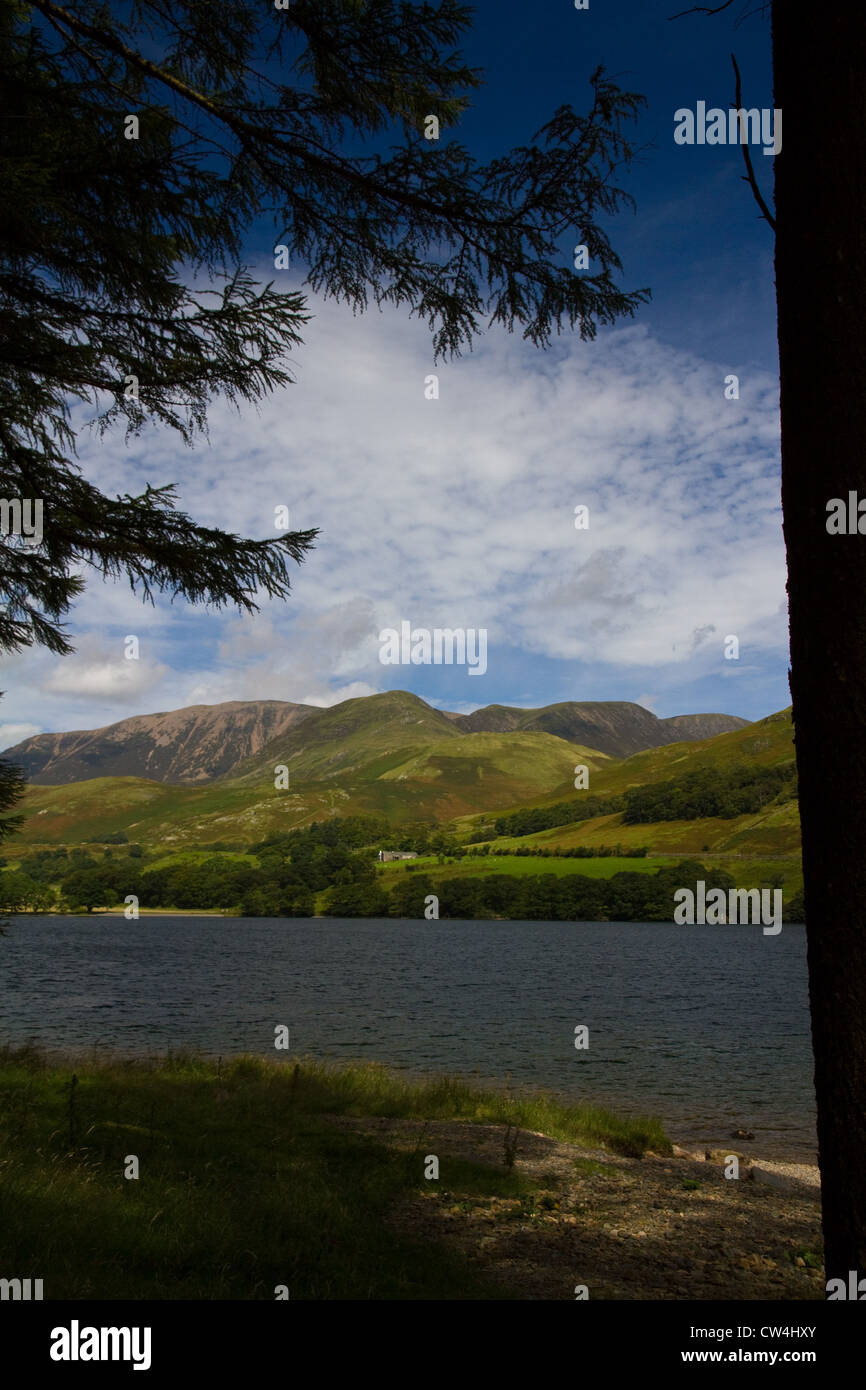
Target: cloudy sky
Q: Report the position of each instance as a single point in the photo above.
(459, 512)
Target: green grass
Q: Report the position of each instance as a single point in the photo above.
(520, 866)
(747, 871)
(198, 856)
(246, 1182)
(766, 743)
(589, 1167)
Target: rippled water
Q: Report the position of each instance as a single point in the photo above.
(707, 1027)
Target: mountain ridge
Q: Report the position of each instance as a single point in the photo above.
(195, 744)
(239, 739)
(463, 782)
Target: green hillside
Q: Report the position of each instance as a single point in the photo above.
(767, 742)
(429, 783)
(394, 757)
(343, 768)
(362, 737)
(774, 831)
(156, 814)
(747, 871)
(770, 834)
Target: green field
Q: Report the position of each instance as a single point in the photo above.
(477, 866)
(746, 870)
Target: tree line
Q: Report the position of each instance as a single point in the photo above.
(721, 792)
(626, 896)
(537, 818)
(738, 791)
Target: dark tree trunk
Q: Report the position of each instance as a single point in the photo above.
(820, 85)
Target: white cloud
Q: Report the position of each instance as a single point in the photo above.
(10, 734)
(649, 702)
(101, 672)
(458, 512)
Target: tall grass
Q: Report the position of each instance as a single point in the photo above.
(245, 1183)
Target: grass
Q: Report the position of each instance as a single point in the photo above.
(393, 756)
(522, 865)
(746, 870)
(246, 1183)
(199, 856)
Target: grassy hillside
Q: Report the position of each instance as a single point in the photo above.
(768, 742)
(346, 763)
(436, 780)
(365, 736)
(747, 870)
(745, 844)
(155, 814)
(774, 831)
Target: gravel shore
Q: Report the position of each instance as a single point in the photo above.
(661, 1227)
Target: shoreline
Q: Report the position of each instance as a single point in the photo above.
(767, 1153)
(231, 913)
(529, 1195)
(658, 1227)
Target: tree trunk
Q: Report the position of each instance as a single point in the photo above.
(820, 67)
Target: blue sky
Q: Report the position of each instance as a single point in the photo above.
(460, 511)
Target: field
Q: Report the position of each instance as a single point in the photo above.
(477, 866)
(746, 870)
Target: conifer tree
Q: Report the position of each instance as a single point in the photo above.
(140, 143)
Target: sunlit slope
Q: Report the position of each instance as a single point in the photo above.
(774, 830)
(394, 756)
(437, 782)
(154, 814)
(767, 742)
(190, 746)
(362, 737)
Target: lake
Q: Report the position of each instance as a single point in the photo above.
(705, 1026)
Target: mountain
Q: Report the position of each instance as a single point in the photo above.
(370, 733)
(462, 781)
(366, 736)
(774, 830)
(689, 728)
(191, 745)
(615, 727)
(436, 782)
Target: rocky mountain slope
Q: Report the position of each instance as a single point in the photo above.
(191, 745)
(615, 727)
(243, 739)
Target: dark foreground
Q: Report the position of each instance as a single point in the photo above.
(265, 1179)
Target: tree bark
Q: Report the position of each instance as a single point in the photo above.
(820, 85)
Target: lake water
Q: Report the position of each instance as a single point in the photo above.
(706, 1027)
